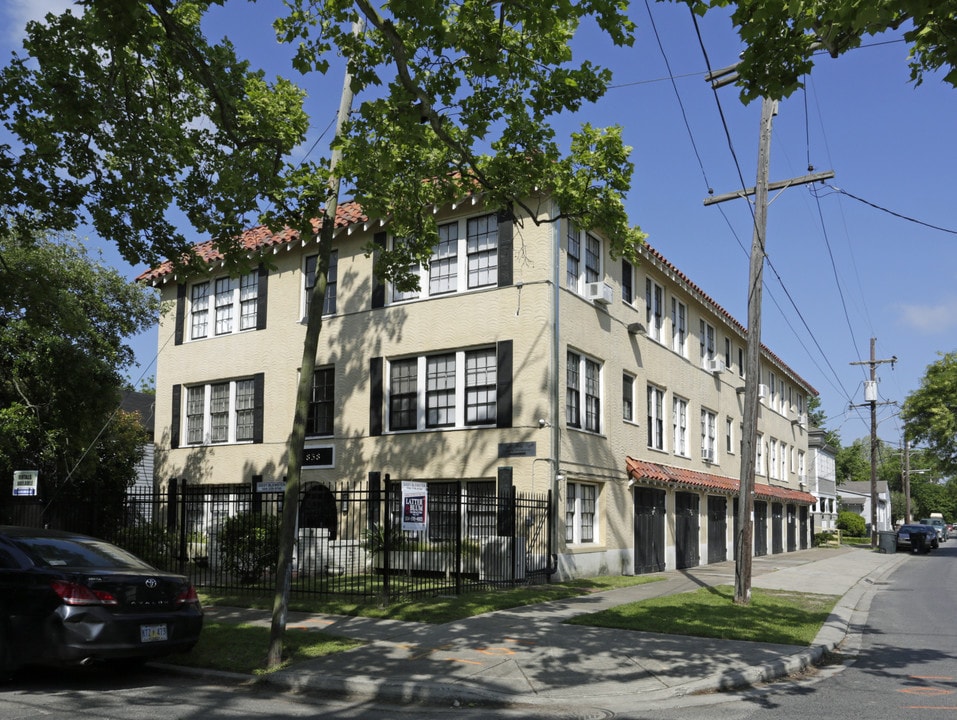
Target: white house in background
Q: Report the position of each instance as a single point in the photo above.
(144, 405)
(856, 497)
(822, 481)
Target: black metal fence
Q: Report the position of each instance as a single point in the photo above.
(351, 540)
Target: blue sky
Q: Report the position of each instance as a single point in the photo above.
(843, 270)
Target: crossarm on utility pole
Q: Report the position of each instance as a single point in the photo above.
(779, 185)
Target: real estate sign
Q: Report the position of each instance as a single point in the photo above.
(25, 482)
(415, 505)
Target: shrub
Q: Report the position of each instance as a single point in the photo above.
(249, 545)
(851, 523)
(151, 542)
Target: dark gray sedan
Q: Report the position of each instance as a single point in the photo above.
(69, 599)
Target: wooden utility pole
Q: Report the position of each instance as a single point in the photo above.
(752, 371)
(906, 477)
(870, 396)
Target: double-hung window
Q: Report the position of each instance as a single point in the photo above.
(759, 455)
(729, 435)
(443, 267)
(656, 419)
(679, 327)
(581, 501)
(440, 391)
(679, 420)
(709, 440)
(583, 392)
(332, 277)
(654, 308)
(232, 298)
(573, 257)
(451, 389)
(482, 250)
(627, 397)
(199, 311)
(707, 340)
(481, 377)
(627, 282)
(583, 258)
(221, 412)
(773, 459)
(403, 394)
(321, 415)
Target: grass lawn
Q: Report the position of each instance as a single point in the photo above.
(772, 616)
(438, 609)
(242, 647)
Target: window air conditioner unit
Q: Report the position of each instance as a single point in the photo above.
(707, 456)
(599, 292)
(716, 365)
(762, 392)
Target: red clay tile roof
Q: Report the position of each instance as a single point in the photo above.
(662, 261)
(257, 238)
(642, 470)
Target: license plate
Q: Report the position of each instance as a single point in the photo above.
(153, 633)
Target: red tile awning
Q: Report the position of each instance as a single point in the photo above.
(642, 471)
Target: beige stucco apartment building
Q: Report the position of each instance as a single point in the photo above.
(529, 356)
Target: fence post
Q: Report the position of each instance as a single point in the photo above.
(458, 539)
(387, 540)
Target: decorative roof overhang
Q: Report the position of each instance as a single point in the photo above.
(650, 473)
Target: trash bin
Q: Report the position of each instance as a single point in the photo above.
(887, 541)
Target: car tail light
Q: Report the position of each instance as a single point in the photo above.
(187, 597)
(72, 593)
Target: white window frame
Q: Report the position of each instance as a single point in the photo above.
(656, 419)
(679, 425)
(202, 417)
(627, 283)
(583, 392)
(628, 398)
(654, 309)
(227, 307)
(759, 455)
(707, 340)
(467, 252)
(462, 390)
(679, 327)
(773, 459)
(330, 299)
(581, 513)
(709, 435)
(729, 435)
(588, 265)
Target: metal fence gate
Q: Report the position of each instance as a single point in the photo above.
(350, 540)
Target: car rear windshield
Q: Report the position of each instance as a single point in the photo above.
(78, 553)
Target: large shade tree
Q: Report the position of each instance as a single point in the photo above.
(930, 412)
(125, 112)
(783, 38)
(65, 320)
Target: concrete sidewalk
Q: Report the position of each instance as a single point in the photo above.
(526, 655)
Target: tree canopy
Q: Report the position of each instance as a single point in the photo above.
(930, 412)
(64, 318)
(127, 115)
(782, 39)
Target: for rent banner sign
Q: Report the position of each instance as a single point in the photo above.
(415, 505)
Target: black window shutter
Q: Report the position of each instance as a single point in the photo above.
(375, 396)
(503, 390)
(506, 228)
(261, 299)
(506, 503)
(180, 318)
(259, 396)
(378, 286)
(175, 422)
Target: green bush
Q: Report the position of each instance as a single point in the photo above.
(851, 523)
(151, 542)
(823, 538)
(249, 545)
